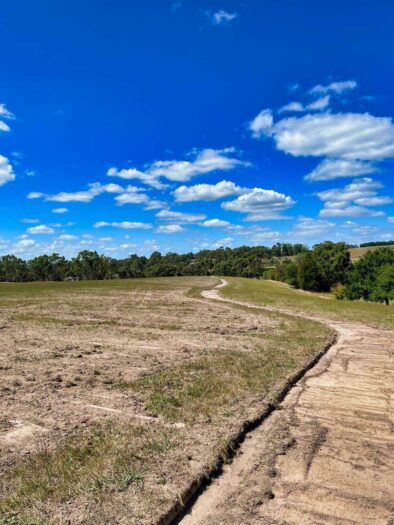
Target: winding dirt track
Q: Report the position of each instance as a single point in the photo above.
(326, 456)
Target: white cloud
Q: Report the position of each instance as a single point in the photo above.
(352, 136)
(223, 243)
(42, 229)
(353, 200)
(181, 218)
(330, 169)
(298, 107)
(222, 17)
(308, 227)
(169, 228)
(204, 161)
(295, 107)
(260, 204)
(132, 173)
(6, 171)
(30, 221)
(25, 243)
(4, 126)
(334, 87)
(35, 195)
(319, 104)
(5, 113)
(125, 225)
(60, 210)
(94, 189)
(215, 223)
(207, 192)
(262, 124)
(67, 237)
(390, 219)
(138, 198)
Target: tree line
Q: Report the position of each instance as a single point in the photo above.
(89, 265)
(327, 267)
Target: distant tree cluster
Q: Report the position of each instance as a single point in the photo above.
(328, 267)
(377, 243)
(244, 261)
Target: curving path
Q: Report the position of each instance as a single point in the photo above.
(327, 455)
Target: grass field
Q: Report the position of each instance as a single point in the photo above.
(116, 395)
(356, 253)
(283, 296)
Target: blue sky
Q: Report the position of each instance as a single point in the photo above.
(132, 126)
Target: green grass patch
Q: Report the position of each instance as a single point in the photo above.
(112, 458)
(283, 296)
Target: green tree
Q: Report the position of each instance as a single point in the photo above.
(333, 261)
(308, 273)
(383, 290)
(363, 276)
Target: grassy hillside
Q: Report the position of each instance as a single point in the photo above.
(281, 295)
(356, 253)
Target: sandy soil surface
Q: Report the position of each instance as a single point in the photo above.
(326, 456)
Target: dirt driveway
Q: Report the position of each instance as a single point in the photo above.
(327, 455)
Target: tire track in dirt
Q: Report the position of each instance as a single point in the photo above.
(326, 455)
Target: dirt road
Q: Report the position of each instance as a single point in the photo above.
(327, 455)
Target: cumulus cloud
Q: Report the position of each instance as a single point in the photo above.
(179, 217)
(330, 169)
(169, 228)
(5, 114)
(390, 219)
(4, 126)
(67, 237)
(334, 87)
(221, 17)
(352, 136)
(353, 200)
(124, 225)
(6, 171)
(223, 243)
(260, 204)
(207, 192)
(139, 198)
(60, 210)
(262, 124)
(215, 223)
(94, 190)
(203, 162)
(42, 229)
(24, 243)
(308, 227)
(132, 173)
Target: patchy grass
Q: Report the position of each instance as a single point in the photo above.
(214, 384)
(111, 459)
(281, 295)
(135, 348)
